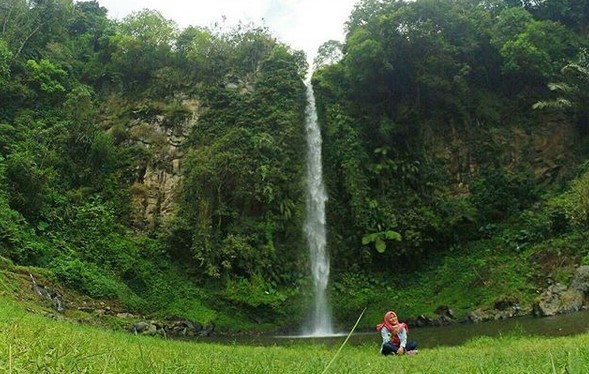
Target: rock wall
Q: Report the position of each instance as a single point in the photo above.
(545, 149)
(155, 200)
(158, 188)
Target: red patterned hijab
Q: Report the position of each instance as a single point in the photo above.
(386, 322)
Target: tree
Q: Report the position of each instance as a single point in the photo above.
(142, 45)
(204, 55)
(510, 23)
(26, 179)
(329, 53)
(28, 26)
(5, 76)
(251, 46)
(572, 93)
(47, 79)
(89, 32)
(368, 70)
(539, 51)
(244, 154)
(571, 13)
(89, 18)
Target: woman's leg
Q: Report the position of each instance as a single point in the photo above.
(388, 348)
(411, 345)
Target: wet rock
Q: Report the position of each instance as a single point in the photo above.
(475, 316)
(423, 320)
(446, 315)
(558, 299)
(139, 327)
(181, 328)
(47, 293)
(125, 315)
(580, 281)
(505, 304)
(207, 330)
(100, 312)
(548, 302)
(184, 328)
(145, 328)
(571, 301)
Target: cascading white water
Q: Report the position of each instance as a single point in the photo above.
(320, 323)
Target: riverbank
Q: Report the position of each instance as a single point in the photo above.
(30, 343)
(419, 304)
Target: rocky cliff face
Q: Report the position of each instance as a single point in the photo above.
(156, 193)
(546, 150)
(155, 199)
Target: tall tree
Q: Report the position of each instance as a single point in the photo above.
(142, 45)
(28, 26)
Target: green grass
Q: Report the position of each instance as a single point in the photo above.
(35, 344)
(487, 270)
(490, 270)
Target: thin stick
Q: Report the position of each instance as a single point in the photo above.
(344, 343)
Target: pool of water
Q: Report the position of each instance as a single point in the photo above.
(561, 325)
(429, 337)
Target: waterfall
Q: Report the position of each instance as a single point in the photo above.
(320, 323)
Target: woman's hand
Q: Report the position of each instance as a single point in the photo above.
(400, 351)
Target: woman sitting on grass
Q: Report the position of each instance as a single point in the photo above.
(394, 336)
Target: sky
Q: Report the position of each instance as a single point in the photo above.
(302, 24)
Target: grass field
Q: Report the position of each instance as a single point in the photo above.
(36, 344)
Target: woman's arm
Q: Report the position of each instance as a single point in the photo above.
(386, 335)
(403, 338)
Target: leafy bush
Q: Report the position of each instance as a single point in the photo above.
(262, 298)
(98, 239)
(189, 307)
(11, 239)
(354, 291)
(498, 194)
(575, 202)
(85, 277)
(25, 180)
(18, 242)
(532, 226)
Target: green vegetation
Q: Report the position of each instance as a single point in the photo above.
(162, 170)
(32, 344)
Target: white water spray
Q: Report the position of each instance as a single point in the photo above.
(320, 324)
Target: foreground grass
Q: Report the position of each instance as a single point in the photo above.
(35, 344)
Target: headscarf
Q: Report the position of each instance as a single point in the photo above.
(386, 322)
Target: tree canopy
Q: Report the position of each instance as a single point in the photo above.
(431, 141)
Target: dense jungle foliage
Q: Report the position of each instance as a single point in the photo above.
(442, 122)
